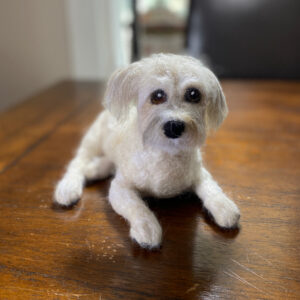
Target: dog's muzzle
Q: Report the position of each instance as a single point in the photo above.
(173, 129)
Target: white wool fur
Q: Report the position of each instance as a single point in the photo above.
(127, 140)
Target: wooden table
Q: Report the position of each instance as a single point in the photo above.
(85, 252)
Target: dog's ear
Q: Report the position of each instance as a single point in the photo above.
(216, 110)
(122, 90)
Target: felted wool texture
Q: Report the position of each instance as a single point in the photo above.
(127, 140)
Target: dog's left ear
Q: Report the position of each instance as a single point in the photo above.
(216, 110)
(122, 90)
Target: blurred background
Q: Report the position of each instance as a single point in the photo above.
(45, 41)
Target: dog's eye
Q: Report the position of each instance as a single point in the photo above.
(158, 97)
(192, 95)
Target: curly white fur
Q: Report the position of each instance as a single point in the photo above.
(127, 139)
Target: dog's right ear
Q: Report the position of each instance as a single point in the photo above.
(122, 90)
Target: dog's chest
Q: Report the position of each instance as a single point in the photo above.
(163, 175)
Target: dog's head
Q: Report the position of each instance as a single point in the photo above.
(178, 100)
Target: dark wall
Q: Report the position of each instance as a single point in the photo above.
(247, 38)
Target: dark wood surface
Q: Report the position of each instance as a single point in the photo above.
(85, 252)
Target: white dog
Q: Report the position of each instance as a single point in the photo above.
(158, 112)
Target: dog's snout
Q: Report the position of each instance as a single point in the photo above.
(174, 129)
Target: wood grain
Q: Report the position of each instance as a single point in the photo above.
(85, 253)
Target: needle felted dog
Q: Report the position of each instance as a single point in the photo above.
(158, 113)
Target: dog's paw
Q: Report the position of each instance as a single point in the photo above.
(147, 232)
(225, 213)
(69, 190)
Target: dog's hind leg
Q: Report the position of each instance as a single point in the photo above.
(144, 227)
(99, 167)
(87, 164)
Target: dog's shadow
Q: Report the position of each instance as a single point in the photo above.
(193, 252)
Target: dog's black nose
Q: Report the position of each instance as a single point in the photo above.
(174, 129)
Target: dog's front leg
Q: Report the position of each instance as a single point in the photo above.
(144, 227)
(224, 211)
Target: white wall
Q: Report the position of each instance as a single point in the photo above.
(94, 37)
(45, 41)
(33, 48)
